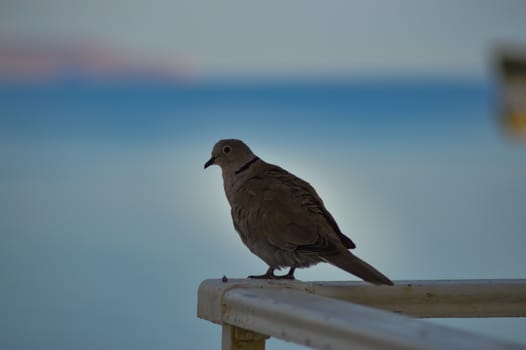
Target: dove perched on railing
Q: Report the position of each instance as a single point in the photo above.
(281, 218)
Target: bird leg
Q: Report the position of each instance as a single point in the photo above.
(269, 275)
(288, 276)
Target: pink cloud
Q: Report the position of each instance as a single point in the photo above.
(44, 63)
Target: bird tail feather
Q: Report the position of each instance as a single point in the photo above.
(353, 264)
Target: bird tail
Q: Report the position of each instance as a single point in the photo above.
(353, 264)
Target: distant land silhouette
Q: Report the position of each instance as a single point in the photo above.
(43, 63)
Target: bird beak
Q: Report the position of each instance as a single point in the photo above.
(211, 161)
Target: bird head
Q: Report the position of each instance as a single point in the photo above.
(230, 155)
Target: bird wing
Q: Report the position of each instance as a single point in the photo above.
(289, 214)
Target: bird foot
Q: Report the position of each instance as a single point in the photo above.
(265, 276)
(285, 277)
(269, 275)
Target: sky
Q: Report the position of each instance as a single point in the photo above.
(238, 37)
(108, 222)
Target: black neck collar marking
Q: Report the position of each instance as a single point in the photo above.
(246, 166)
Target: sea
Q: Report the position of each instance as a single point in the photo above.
(108, 222)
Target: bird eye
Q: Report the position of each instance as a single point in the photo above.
(226, 149)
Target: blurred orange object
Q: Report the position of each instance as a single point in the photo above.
(512, 67)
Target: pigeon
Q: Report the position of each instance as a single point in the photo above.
(281, 218)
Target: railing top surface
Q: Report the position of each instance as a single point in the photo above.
(418, 298)
(318, 313)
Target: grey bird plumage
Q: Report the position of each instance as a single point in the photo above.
(281, 218)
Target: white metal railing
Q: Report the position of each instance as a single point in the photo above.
(344, 315)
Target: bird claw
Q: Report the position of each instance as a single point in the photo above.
(285, 277)
(269, 275)
(263, 277)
